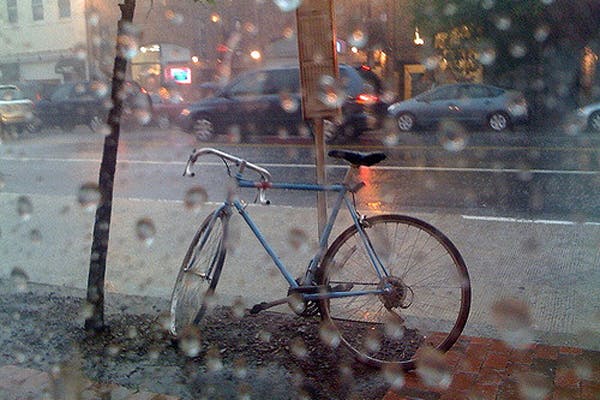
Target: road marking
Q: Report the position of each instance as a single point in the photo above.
(278, 165)
(528, 221)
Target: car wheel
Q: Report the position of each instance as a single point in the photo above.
(405, 121)
(594, 121)
(163, 121)
(203, 129)
(498, 121)
(34, 125)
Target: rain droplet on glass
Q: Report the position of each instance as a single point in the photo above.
(35, 235)
(195, 198)
(213, 360)
(298, 348)
(189, 341)
(533, 385)
(145, 230)
(19, 279)
(287, 5)
(238, 308)
(358, 38)
(394, 376)
(329, 335)
(297, 238)
(433, 369)
(512, 319)
(89, 196)
(24, 207)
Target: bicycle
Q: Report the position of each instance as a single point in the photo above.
(387, 285)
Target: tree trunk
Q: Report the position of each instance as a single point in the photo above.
(95, 288)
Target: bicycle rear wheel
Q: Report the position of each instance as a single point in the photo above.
(429, 290)
(199, 273)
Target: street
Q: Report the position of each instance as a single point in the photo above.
(523, 209)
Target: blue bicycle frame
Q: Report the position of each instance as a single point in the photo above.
(341, 190)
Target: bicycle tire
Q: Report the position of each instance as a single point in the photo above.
(389, 329)
(199, 274)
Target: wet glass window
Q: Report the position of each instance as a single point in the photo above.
(37, 9)
(12, 11)
(64, 8)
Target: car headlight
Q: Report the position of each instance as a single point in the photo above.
(185, 112)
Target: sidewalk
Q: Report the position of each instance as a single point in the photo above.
(486, 369)
(481, 369)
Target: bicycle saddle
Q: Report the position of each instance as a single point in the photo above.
(357, 158)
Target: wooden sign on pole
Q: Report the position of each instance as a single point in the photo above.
(317, 57)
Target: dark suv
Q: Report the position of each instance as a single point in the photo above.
(88, 103)
(267, 101)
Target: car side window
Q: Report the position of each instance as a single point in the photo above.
(282, 81)
(474, 92)
(444, 93)
(251, 84)
(62, 93)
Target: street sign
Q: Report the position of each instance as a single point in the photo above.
(316, 54)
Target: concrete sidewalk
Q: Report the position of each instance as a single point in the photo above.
(475, 368)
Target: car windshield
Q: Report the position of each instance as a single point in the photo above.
(172, 239)
(9, 93)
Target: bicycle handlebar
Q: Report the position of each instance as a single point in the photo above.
(242, 164)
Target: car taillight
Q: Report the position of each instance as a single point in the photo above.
(367, 98)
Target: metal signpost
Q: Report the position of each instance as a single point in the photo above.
(317, 57)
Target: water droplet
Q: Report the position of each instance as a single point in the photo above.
(132, 332)
(213, 360)
(19, 279)
(86, 311)
(503, 23)
(174, 17)
(296, 303)
(393, 327)
(240, 368)
(433, 369)
(541, 33)
(89, 196)
(513, 321)
(329, 335)
(487, 56)
(145, 230)
(298, 239)
(35, 235)
(453, 136)
(238, 308)
(372, 342)
(394, 376)
(288, 103)
(298, 348)
(533, 386)
(358, 38)
(194, 198)
(265, 336)
(189, 341)
(287, 5)
(518, 50)
(24, 207)
(113, 350)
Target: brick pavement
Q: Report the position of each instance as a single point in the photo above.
(487, 369)
(481, 369)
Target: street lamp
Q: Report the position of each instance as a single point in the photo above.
(418, 39)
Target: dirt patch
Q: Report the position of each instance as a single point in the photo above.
(264, 356)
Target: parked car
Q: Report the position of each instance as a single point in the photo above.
(468, 103)
(268, 100)
(16, 111)
(165, 110)
(588, 117)
(88, 103)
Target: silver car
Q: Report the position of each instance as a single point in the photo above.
(16, 112)
(467, 103)
(588, 117)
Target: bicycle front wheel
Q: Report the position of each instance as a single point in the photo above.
(199, 273)
(427, 298)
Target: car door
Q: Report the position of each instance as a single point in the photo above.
(245, 104)
(475, 103)
(282, 93)
(440, 104)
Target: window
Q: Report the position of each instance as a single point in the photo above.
(64, 8)
(11, 11)
(37, 8)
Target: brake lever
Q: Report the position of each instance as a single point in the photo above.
(188, 168)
